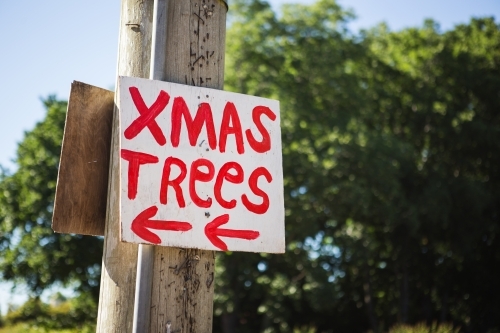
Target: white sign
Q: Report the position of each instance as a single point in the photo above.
(200, 168)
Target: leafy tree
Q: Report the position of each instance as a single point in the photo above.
(423, 328)
(444, 101)
(391, 163)
(66, 314)
(31, 252)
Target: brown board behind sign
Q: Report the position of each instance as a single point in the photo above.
(82, 182)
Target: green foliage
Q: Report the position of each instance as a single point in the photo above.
(27, 328)
(31, 252)
(423, 328)
(391, 143)
(31, 311)
(62, 315)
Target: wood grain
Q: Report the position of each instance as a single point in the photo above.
(183, 280)
(119, 262)
(80, 201)
(145, 256)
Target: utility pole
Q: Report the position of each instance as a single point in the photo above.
(196, 35)
(182, 279)
(119, 264)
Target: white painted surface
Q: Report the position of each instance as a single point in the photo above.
(269, 225)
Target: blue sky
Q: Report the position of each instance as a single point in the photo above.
(45, 45)
(48, 44)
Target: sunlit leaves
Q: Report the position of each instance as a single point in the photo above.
(388, 140)
(31, 252)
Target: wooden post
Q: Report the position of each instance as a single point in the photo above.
(183, 279)
(116, 300)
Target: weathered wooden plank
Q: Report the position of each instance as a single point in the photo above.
(80, 202)
(183, 295)
(145, 253)
(119, 261)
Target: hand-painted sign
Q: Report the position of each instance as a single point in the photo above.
(200, 168)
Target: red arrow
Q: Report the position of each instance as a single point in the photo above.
(142, 222)
(213, 232)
